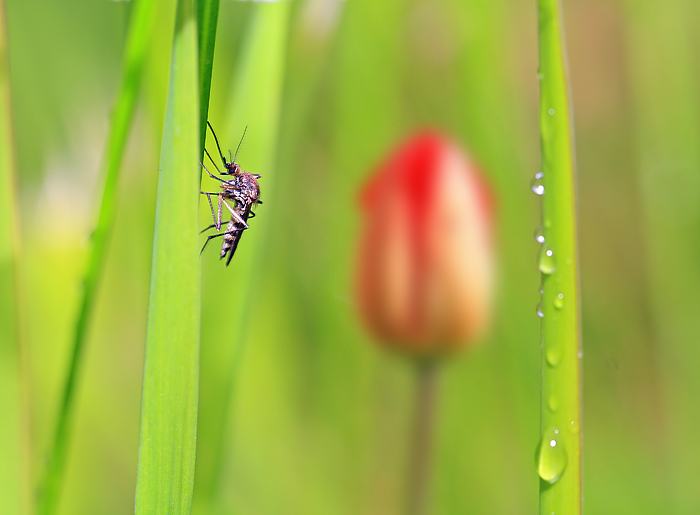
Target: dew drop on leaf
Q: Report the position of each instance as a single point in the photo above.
(536, 185)
(553, 355)
(551, 456)
(559, 301)
(553, 403)
(546, 262)
(539, 235)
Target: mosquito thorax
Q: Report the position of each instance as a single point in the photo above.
(243, 187)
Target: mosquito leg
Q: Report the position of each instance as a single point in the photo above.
(212, 162)
(207, 228)
(210, 174)
(212, 207)
(210, 204)
(235, 215)
(223, 159)
(216, 236)
(218, 221)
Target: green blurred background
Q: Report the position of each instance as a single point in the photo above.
(300, 413)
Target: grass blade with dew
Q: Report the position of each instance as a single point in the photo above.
(165, 476)
(207, 16)
(137, 42)
(256, 95)
(559, 451)
(14, 413)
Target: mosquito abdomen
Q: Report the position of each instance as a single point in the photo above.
(228, 238)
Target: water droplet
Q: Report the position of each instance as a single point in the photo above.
(546, 262)
(551, 111)
(573, 427)
(553, 403)
(579, 354)
(539, 310)
(539, 235)
(551, 457)
(553, 355)
(541, 290)
(540, 75)
(536, 184)
(559, 301)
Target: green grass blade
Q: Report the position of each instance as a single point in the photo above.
(256, 94)
(167, 437)
(14, 434)
(559, 452)
(207, 16)
(140, 30)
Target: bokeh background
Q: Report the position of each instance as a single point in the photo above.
(300, 413)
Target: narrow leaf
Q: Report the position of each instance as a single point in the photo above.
(171, 368)
(207, 16)
(140, 30)
(559, 451)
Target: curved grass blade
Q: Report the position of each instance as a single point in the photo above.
(14, 433)
(207, 16)
(559, 451)
(167, 437)
(140, 31)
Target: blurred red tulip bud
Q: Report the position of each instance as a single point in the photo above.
(426, 261)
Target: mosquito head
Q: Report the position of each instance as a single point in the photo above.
(232, 168)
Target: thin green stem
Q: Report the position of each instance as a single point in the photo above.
(140, 30)
(420, 464)
(559, 451)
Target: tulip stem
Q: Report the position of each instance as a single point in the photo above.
(417, 495)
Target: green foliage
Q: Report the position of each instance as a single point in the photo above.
(140, 32)
(299, 412)
(14, 481)
(207, 16)
(559, 449)
(168, 431)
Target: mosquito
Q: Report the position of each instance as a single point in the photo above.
(242, 189)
